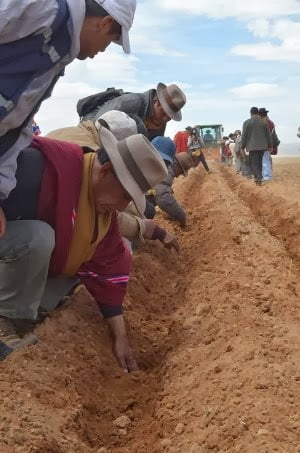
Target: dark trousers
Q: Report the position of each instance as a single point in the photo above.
(201, 159)
(245, 166)
(150, 207)
(256, 158)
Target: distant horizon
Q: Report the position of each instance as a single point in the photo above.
(289, 149)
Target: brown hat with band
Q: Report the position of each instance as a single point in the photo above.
(137, 164)
(172, 99)
(185, 162)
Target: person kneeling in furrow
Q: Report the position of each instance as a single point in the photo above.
(62, 224)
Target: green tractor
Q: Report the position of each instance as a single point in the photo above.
(212, 135)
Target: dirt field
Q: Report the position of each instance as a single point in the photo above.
(215, 329)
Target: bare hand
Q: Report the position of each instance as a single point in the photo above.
(197, 153)
(124, 354)
(2, 223)
(121, 347)
(170, 241)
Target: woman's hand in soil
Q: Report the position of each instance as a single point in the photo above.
(121, 347)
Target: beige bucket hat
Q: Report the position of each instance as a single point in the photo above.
(185, 162)
(172, 99)
(137, 164)
(120, 124)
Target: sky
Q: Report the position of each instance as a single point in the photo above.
(227, 56)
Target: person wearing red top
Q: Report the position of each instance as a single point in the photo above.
(181, 140)
(267, 165)
(62, 223)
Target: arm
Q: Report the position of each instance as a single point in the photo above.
(131, 227)
(19, 18)
(167, 202)
(106, 277)
(201, 142)
(237, 145)
(244, 135)
(275, 138)
(136, 229)
(269, 136)
(8, 167)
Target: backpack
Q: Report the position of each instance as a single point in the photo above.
(90, 103)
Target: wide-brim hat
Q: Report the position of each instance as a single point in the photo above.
(263, 111)
(185, 162)
(137, 164)
(123, 12)
(172, 100)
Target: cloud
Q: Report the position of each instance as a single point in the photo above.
(219, 9)
(172, 40)
(153, 47)
(272, 24)
(84, 78)
(268, 51)
(112, 66)
(257, 91)
(150, 32)
(287, 32)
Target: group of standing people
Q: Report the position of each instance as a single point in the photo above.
(253, 147)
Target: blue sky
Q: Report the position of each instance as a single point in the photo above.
(226, 56)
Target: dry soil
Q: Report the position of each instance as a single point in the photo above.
(215, 330)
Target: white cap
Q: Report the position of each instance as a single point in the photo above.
(120, 124)
(123, 12)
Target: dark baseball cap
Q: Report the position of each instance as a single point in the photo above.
(254, 110)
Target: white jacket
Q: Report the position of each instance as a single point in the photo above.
(18, 19)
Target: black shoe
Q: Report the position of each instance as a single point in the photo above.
(4, 351)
